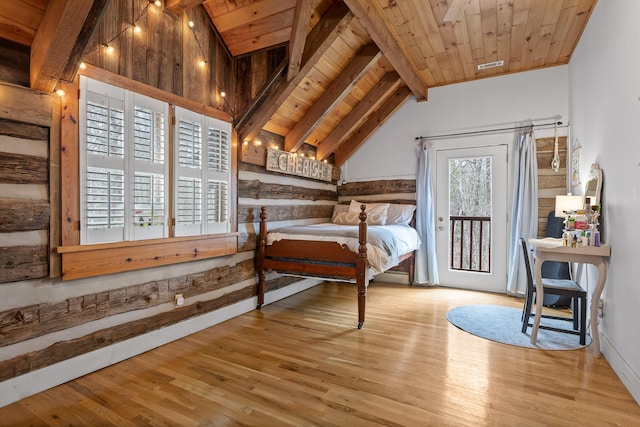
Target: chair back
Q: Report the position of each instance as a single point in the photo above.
(527, 263)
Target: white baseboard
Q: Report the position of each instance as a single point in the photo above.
(629, 378)
(39, 380)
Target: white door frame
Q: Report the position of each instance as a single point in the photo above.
(496, 281)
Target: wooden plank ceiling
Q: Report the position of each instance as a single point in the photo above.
(352, 63)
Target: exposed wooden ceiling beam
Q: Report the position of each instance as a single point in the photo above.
(298, 38)
(357, 67)
(61, 40)
(373, 122)
(373, 21)
(359, 113)
(319, 40)
(179, 6)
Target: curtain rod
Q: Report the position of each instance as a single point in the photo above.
(478, 132)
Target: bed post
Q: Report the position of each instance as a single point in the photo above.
(361, 265)
(262, 244)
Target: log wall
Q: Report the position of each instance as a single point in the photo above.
(289, 200)
(24, 178)
(83, 315)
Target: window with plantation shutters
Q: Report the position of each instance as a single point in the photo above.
(151, 184)
(203, 169)
(123, 190)
(133, 185)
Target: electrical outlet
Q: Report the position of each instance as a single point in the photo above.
(179, 300)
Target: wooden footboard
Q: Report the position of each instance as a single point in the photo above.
(315, 258)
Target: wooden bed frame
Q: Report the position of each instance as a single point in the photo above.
(320, 259)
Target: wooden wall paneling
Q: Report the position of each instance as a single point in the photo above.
(165, 54)
(136, 64)
(55, 218)
(550, 183)
(69, 165)
(195, 44)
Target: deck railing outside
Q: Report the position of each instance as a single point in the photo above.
(470, 243)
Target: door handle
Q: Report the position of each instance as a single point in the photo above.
(440, 228)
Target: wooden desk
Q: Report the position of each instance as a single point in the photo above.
(588, 255)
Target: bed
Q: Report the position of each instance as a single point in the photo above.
(354, 247)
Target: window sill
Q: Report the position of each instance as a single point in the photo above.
(106, 258)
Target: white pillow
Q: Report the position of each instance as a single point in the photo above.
(353, 218)
(371, 209)
(399, 214)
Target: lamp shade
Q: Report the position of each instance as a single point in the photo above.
(567, 204)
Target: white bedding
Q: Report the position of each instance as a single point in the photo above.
(406, 239)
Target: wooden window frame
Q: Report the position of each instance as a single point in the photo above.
(79, 261)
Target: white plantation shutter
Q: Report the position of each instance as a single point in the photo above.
(218, 165)
(203, 171)
(150, 168)
(123, 164)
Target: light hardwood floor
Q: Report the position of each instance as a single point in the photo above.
(301, 362)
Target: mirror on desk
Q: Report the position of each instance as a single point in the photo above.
(593, 187)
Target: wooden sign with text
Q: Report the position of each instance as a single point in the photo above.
(292, 164)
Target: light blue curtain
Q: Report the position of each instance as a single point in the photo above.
(426, 266)
(524, 210)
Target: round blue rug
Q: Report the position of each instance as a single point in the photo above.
(503, 324)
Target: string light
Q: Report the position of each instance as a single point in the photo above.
(191, 25)
(202, 63)
(223, 94)
(60, 92)
(158, 3)
(134, 26)
(83, 66)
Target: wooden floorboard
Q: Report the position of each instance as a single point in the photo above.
(302, 362)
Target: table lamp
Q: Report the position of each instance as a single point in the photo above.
(568, 204)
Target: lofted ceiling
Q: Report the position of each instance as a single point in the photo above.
(352, 63)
